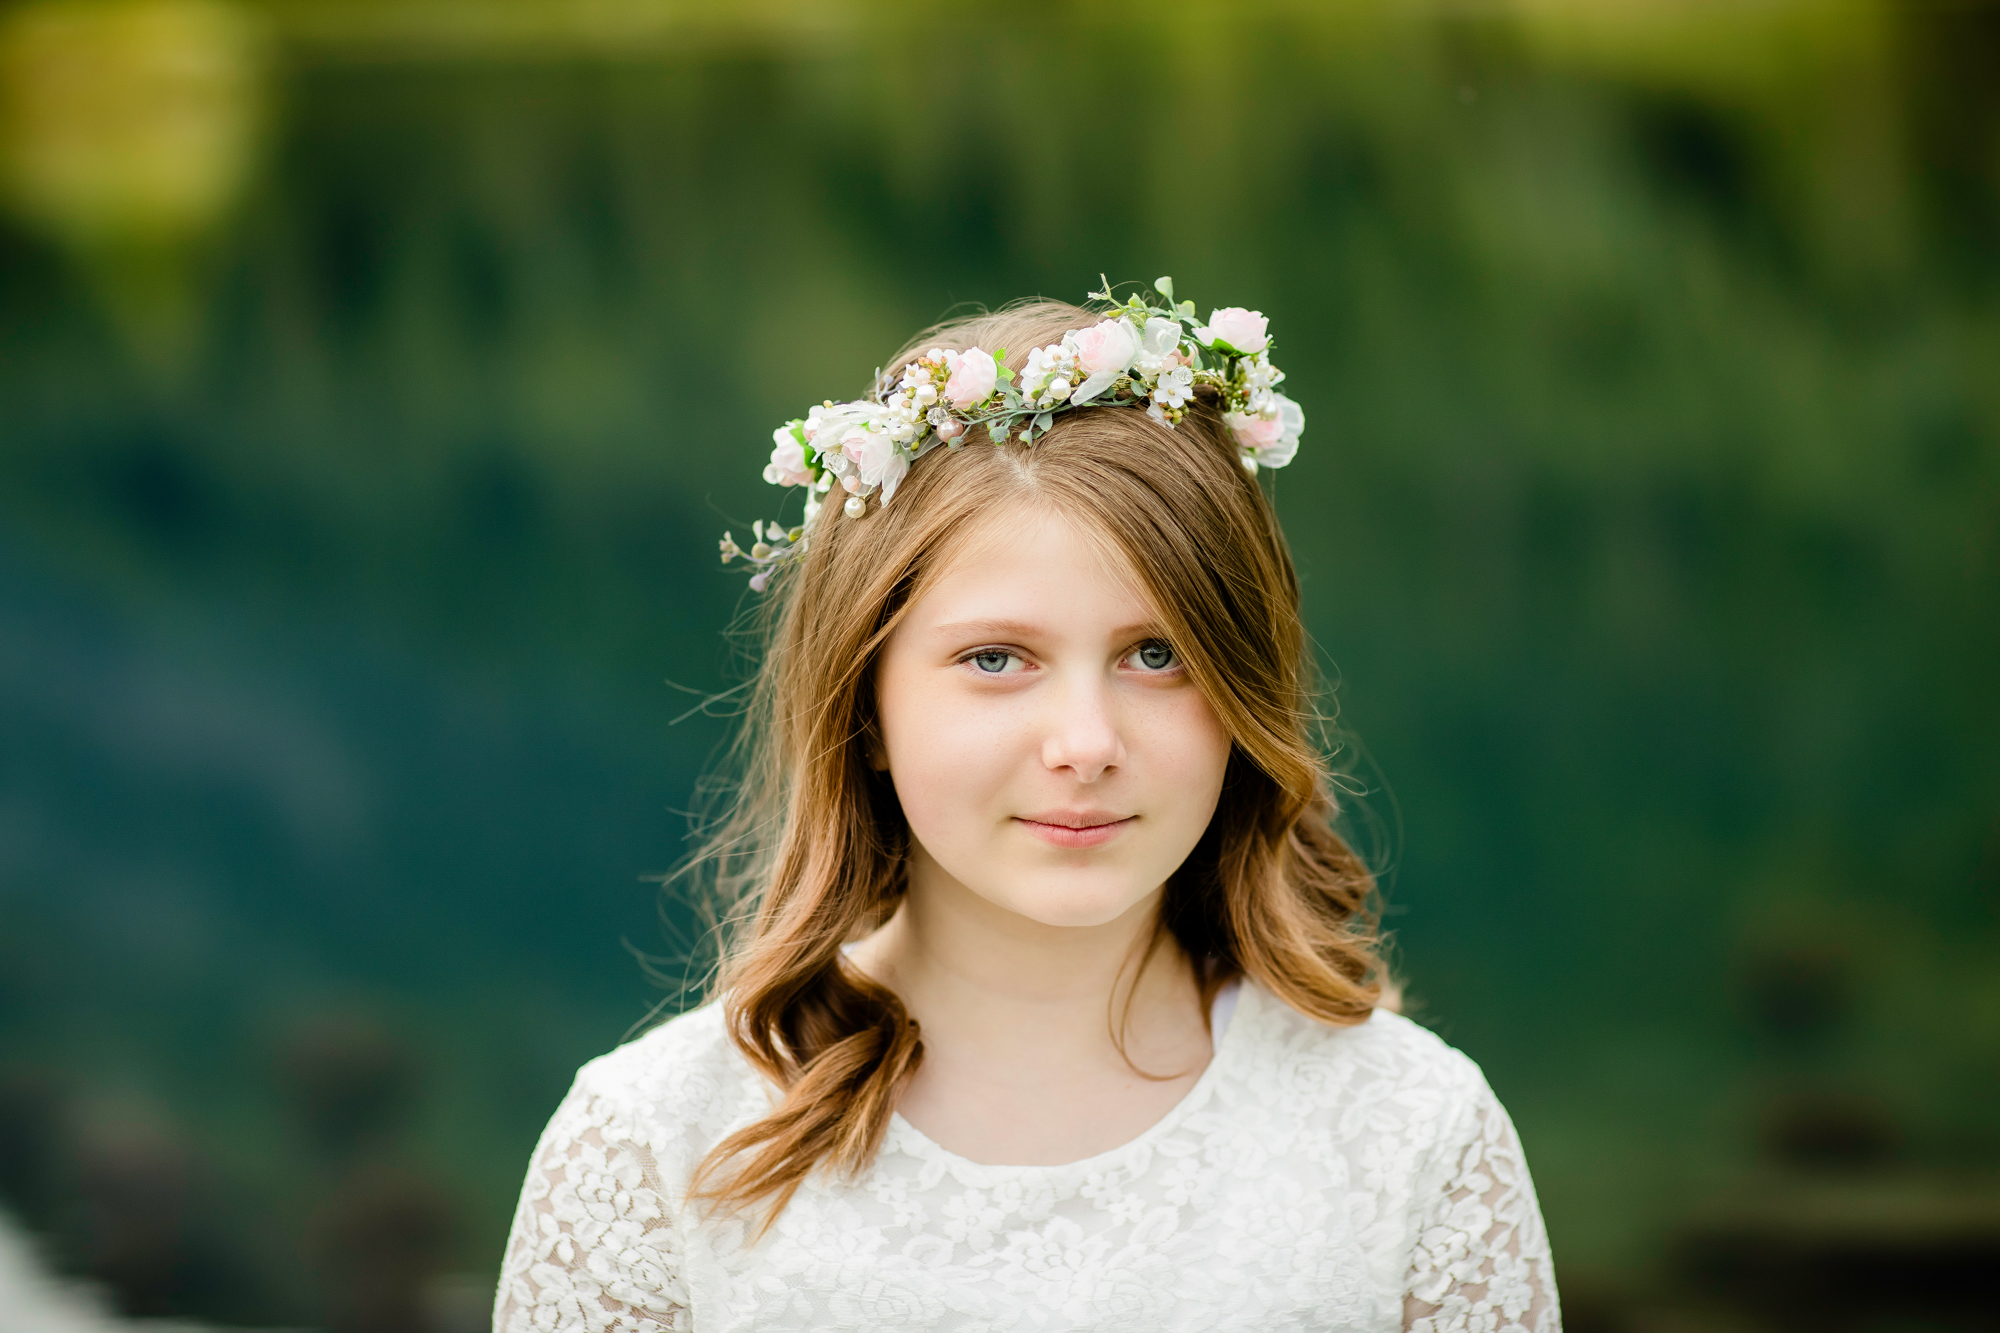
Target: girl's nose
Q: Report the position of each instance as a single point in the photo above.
(1083, 735)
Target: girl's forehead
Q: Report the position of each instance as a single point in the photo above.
(1029, 556)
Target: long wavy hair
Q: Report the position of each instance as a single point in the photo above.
(811, 851)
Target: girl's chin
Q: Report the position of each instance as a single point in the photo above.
(1070, 906)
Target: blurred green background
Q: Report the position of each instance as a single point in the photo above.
(375, 378)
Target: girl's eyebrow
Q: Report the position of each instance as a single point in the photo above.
(1021, 629)
(981, 629)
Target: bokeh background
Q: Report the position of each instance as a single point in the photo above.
(376, 375)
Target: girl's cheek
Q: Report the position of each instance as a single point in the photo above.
(1188, 739)
(940, 742)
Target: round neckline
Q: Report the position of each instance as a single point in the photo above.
(1225, 1047)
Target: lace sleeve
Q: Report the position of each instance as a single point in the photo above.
(593, 1248)
(1481, 1260)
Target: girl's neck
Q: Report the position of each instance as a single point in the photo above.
(1023, 1022)
(947, 949)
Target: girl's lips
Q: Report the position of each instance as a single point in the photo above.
(1065, 835)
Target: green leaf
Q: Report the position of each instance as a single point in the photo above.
(1165, 287)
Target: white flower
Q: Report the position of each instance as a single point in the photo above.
(1259, 369)
(1034, 373)
(871, 452)
(1174, 387)
(1159, 346)
(1293, 419)
(1050, 373)
(897, 468)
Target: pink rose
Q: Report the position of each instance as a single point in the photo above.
(1254, 433)
(973, 376)
(788, 460)
(1245, 330)
(1103, 352)
(1270, 442)
(1110, 346)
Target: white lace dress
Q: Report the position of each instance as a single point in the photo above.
(1354, 1179)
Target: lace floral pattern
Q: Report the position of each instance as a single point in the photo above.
(1357, 1179)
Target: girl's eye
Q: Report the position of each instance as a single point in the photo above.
(1155, 656)
(992, 661)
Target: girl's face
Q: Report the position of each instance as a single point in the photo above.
(1048, 747)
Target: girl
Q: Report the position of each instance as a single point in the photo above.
(1055, 1001)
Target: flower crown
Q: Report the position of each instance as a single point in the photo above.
(1139, 354)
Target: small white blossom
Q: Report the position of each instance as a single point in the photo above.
(1174, 387)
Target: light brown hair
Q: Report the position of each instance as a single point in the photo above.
(813, 846)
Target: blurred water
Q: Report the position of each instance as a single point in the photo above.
(374, 381)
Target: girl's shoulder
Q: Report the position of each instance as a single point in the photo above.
(1387, 1054)
(681, 1082)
